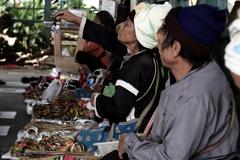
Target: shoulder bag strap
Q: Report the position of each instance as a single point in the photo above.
(221, 140)
(150, 104)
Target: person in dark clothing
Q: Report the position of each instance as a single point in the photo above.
(105, 19)
(136, 77)
(92, 54)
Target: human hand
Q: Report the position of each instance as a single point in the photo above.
(121, 143)
(67, 16)
(92, 99)
(90, 114)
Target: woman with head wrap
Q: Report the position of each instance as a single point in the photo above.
(136, 77)
(92, 54)
(195, 118)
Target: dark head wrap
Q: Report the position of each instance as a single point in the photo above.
(197, 28)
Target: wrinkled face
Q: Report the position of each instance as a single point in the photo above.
(165, 53)
(126, 32)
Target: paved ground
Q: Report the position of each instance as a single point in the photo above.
(15, 75)
(12, 107)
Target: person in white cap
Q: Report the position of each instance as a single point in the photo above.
(232, 52)
(136, 80)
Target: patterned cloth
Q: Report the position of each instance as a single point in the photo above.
(91, 136)
(104, 133)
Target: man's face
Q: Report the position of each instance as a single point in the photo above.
(126, 32)
(165, 53)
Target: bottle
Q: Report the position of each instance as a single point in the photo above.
(90, 80)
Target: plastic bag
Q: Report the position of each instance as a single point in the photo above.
(52, 90)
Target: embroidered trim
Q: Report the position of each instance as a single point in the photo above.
(82, 25)
(154, 77)
(95, 105)
(127, 86)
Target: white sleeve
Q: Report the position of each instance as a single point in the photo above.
(81, 28)
(94, 104)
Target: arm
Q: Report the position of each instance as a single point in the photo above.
(116, 108)
(92, 47)
(184, 129)
(94, 32)
(100, 35)
(68, 16)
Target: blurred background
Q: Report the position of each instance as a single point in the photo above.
(26, 40)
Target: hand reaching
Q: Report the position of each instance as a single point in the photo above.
(67, 16)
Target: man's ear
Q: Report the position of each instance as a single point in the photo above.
(176, 48)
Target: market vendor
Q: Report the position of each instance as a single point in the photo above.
(92, 54)
(196, 118)
(135, 85)
(232, 56)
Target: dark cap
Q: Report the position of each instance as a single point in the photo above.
(197, 28)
